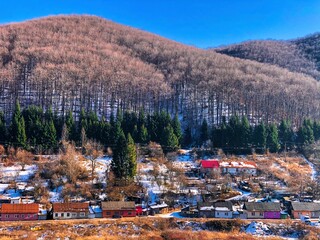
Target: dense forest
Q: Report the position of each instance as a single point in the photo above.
(44, 132)
(69, 63)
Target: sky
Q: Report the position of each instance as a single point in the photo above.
(201, 23)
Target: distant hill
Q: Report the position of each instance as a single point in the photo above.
(310, 47)
(285, 54)
(74, 62)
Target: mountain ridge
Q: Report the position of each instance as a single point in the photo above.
(74, 62)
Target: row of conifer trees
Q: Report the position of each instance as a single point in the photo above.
(42, 131)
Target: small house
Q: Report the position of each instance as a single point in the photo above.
(264, 210)
(118, 209)
(19, 212)
(159, 208)
(238, 168)
(312, 209)
(220, 209)
(70, 210)
(207, 166)
(223, 209)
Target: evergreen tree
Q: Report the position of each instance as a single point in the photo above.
(272, 138)
(50, 135)
(305, 134)
(286, 134)
(260, 136)
(71, 127)
(132, 157)
(204, 132)
(17, 128)
(3, 131)
(177, 128)
(187, 137)
(33, 117)
(234, 132)
(169, 141)
(316, 130)
(143, 136)
(245, 132)
(120, 163)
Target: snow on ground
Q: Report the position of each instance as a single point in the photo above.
(170, 215)
(3, 186)
(102, 165)
(16, 173)
(257, 228)
(55, 195)
(313, 168)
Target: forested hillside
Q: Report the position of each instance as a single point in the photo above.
(310, 46)
(280, 53)
(74, 62)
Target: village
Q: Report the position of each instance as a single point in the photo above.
(186, 184)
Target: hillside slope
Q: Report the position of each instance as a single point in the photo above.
(310, 46)
(74, 62)
(280, 53)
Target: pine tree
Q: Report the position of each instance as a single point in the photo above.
(260, 136)
(169, 141)
(177, 128)
(305, 134)
(50, 135)
(245, 132)
(187, 137)
(71, 127)
(143, 134)
(234, 132)
(17, 128)
(286, 134)
(204, 132)
(132, 157)
(272, 138)
(119, 164)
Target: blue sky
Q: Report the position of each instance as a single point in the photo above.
(201, 23)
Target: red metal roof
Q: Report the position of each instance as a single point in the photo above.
(19, 208)
(210, 163)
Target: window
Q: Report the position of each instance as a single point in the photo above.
(74, 214)
(116, 213)
(226, 214)
(56, 215)
(7, 215)
(253, 214)
(16, 216)
(82, 214)
(62, 214)
(261, 214)
(108, 213)
(129, 213)
(68, 214)
(22, 215)
(218, 214)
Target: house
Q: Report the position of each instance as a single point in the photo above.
(159, 208)
(266, 210)
(118, 209)
(189, 212)
(69, 210)
(221, 209)
(210, 165)
(238, 168)
(312, 209)
(19, 212)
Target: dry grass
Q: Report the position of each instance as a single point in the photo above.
(126, 228)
